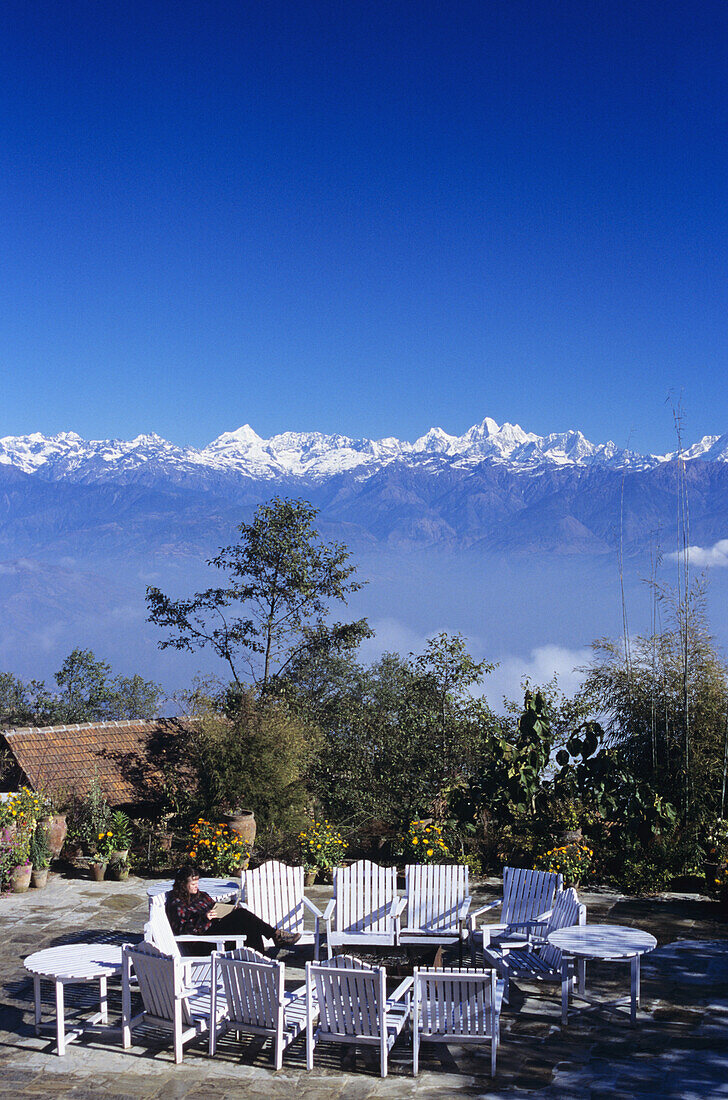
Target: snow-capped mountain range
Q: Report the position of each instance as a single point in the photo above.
(314, 456)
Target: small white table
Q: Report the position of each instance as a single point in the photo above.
(607, 942)
(219, 889)
(73, 963)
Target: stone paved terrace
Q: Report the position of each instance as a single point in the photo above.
(679, 1049)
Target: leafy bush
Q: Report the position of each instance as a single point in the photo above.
(321, 846)
(217, 847)
(423, 843)
(570, 860)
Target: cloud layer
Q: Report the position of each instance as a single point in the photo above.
(716, 555)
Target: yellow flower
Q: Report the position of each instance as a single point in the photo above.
(415, 840)
(430, 852)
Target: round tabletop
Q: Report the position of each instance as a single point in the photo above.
(83, 961)
(602, 941)
(219, 889)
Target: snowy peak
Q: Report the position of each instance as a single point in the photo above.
(313, 455)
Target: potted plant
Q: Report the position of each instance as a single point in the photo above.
(104, 845)
(40, 857)
(20, 876)
(218, 848)
(322, 847)
(119, 867)
(120, 826)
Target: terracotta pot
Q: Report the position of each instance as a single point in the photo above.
(55, 828)
(572, 836)
(39, 878)
(119, 856)
(20, 878)
(165, 841)
(242, 823)
(98, 870)
(119, 874)
(309, 877)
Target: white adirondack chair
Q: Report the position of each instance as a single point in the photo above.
(365, 907)
(438, 902)
(528, 897)
(158, 931)
(256, 1000)
(351, 998)
(456, 1006)
(169, 1001)
(538, 959)
(274, 892)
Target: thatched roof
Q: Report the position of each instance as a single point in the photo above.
(128, 759)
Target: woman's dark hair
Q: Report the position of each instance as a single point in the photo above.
(185, 872)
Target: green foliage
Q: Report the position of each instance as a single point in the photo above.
(570, 860)
(322, 845)
(90, 817)
(667, 719)
(281, 579)
(120, 825)
(252, 754)
(423, 843)
(40, 852)
(86, 693)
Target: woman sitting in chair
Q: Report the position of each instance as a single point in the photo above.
(191, 910)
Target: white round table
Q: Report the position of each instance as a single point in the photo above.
(73, 963)
(607, 942)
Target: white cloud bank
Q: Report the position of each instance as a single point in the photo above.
(544, 663)
(711, 555)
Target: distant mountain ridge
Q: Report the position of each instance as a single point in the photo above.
(495, 488)
(315, 457)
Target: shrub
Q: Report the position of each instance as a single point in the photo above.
(571, 860)
(217, 847)
(423, 843)
(321, 845)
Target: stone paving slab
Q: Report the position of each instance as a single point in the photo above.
(679, 1049)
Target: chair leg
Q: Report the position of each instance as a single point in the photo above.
(383, 1050)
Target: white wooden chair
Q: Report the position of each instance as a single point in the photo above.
(365, 907)
(256, 1000)
(351, 998)
(274, 892)
(538, 959)
(169, 1001)
(528, 897)
(158, 931)
(438, 902)
(456, 1006)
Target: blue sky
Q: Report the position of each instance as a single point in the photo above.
(365, 218)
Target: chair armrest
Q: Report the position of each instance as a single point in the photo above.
(397, 907)
(330, 909)
(463, 910)
(483, 909)
(220, 940)
(402, 988)
(311, 907)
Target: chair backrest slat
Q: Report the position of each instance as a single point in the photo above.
(528, 893)
(435, 893)
(274, 891)
(364, 894)
(252, 985)
(567, 911)
(160, 979)
(454, 1002)
(351, 998)
(158, 930)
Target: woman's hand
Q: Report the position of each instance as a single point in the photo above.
(213, 913)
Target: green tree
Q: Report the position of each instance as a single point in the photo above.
(281, 580)
(642, 702)
(86, 693)
(251, 752)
